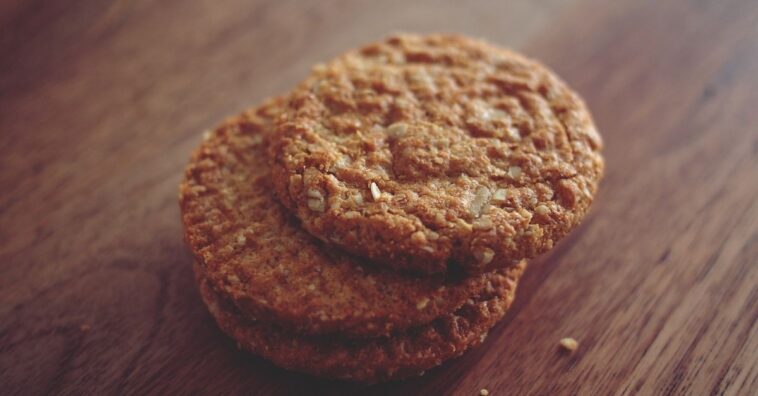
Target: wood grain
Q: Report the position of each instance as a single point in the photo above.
(101, 103)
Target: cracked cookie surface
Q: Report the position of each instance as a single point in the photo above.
(253, 251)
(421, 152)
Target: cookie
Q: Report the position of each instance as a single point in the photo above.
(424, 153)
(252, 250)
(400, 355)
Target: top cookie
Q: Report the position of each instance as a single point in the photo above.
(422, 152)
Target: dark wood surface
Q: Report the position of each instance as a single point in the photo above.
(101, 103)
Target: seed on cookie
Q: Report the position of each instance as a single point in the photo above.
(484, 255)
(418, 237)
(500, 195)
(313, 193)
(542, 210)
(491, 114)
(316, 200)
(427, 248)
(513, 133)
(422, 79)
(480, 201)
(375, 192)
(358, 198)
(514, 172)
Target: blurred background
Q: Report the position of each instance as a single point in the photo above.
(102, 102)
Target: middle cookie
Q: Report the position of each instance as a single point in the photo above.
(250, 250)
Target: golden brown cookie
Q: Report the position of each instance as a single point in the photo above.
(422, 152)
(398, 356)
(257, 255)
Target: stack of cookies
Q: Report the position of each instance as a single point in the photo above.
(373, 222)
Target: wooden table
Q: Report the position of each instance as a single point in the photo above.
(101, 103)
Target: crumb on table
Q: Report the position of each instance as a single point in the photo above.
(569, 344)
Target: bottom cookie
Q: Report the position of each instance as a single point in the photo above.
(401, 355)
